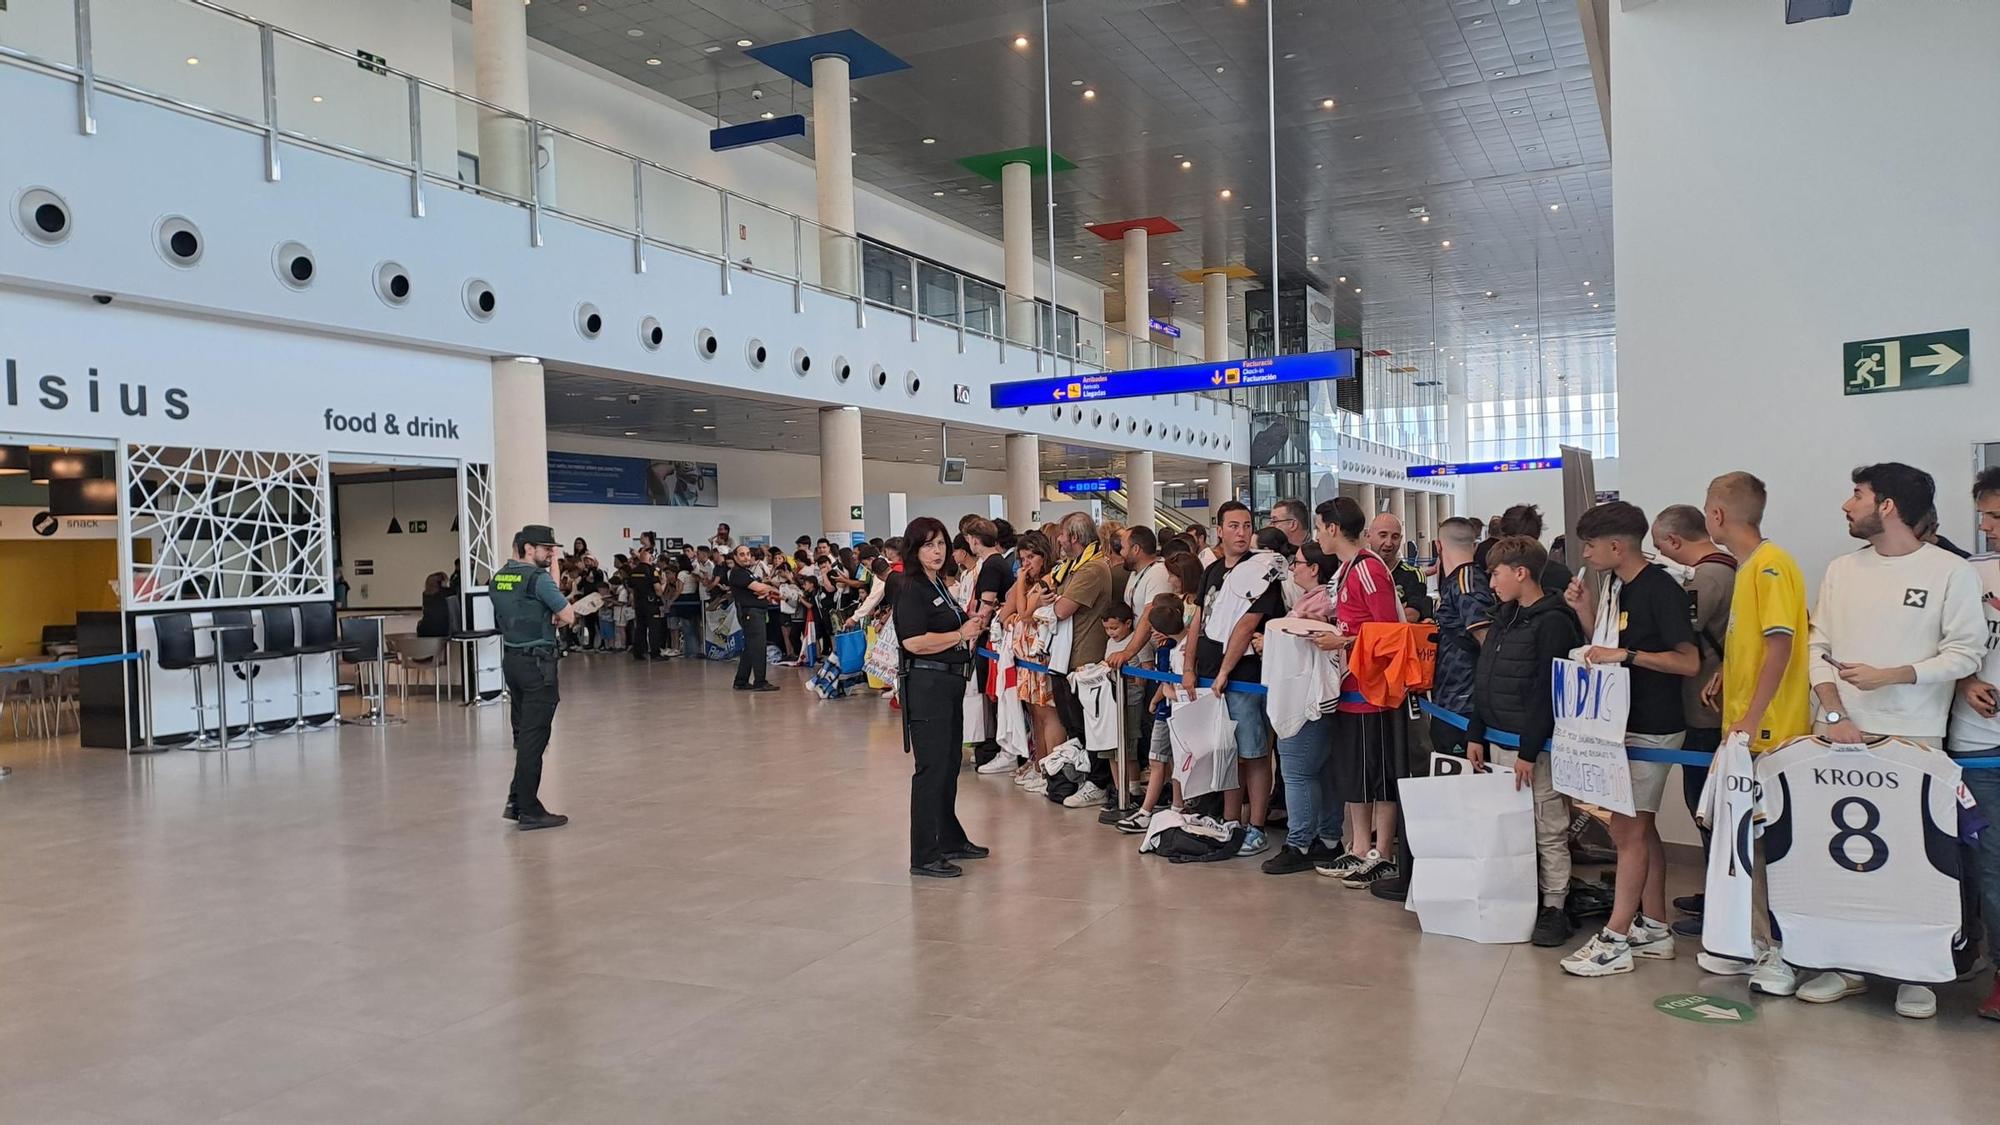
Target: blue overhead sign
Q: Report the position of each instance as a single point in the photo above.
(1085, 487)
(1470, 468)
(1340, 363)
(1164, 328)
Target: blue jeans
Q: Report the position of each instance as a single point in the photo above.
(1984, 857)
(1253, 727)
(1311, 813)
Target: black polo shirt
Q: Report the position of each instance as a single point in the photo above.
(926, 606)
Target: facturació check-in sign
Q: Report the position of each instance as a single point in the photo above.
(1339, 363)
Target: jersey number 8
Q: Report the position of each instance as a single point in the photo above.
(1871, 819)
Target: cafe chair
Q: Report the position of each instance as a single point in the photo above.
(317, 637)
(174, 651)
(408, 652)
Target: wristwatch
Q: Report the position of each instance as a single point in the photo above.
(1832, 717)
(1630, 655)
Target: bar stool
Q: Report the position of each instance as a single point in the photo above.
(317, 638)
(370, 657)
(281, 642)
(230, 642)
(240, 648)
(467, 643)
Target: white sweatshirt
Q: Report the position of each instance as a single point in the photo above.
(1921, 609)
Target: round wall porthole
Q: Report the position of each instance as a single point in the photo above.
(756, 353)
(802, 362)
(178, 241)
(1149, 429)
(1096, 419)
(589, 322)
(912, 383)
(1076, 414)
(879, 376)
(651, 335)
(1177, 433)
(706, 345)
(842, 370)
(1056, 413)
(294, 264)
(42, 215)
(480, 300)
(392, 283)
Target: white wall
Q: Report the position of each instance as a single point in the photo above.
(1489, 494)
(400, 561)
(749, 482)
(1782, 190)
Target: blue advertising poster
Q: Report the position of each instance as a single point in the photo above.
(593, 478)
(1341, 363)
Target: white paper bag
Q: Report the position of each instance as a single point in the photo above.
(1473, 836)
(1204, 745)
(975, 712)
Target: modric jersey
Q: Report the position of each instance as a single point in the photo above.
(1729, 809)
(1861, 850)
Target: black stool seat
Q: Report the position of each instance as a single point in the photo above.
(317, 635)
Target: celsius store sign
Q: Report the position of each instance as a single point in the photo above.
(62, 394)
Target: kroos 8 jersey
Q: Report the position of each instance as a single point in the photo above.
(1861, 851)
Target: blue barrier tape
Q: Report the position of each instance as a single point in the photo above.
(74, 662)
(1648, 753)
(1163, 677)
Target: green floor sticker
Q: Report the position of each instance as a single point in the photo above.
(1704, 1009)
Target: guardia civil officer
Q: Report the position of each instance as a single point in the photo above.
(527, 609)
(937, 638)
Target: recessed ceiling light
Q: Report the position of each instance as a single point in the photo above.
(652, 62)
(1218, 70)
(1225, 193)
(1586, 285)
(701, 410)
(1114, 273)
(1555, 206)
(1593, 306)
(937, 194)
(1186, 164)
(1513, 113)
(1357, 292)
(1342, 280)
(930, 140)
(1357, 136)
(767, 115)
(1423, 218)
(1020, 41)
(1446, 244)
(742, 42)
(631, 433)
(1089, 95)
(1076, 257)
(1489, 293)
(1076, 81)
(583, 7)
(635, 33)
(317, 98)
(1313, 258)
(708, 427)
(1326, 103)
(1478, 20)
(1499, 74)
(711, 49)
(192, 61)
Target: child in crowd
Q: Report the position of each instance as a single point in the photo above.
(1168, 617)
(1121, 632)
(1510, 692)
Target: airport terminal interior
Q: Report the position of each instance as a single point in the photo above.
(371, 368)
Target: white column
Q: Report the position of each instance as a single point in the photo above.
(1141, 497)
(1024, 479)
(1365, 496)
(1427, 521)
(1221, 488)
(500, 76)
(1394, 507)
(1215, 316)
(1017, 248)
(1446, 505)
(1138, 301)
(833, 171)
(521, 449)
(840, 472)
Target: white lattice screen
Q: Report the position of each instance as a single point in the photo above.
(228, 525)
(477, 500)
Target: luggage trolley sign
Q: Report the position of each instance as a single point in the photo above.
(1340, 363)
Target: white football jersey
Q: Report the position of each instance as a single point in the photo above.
(1861, 850)
(1729, 809)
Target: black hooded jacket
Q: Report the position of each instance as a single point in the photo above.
(1510, 685)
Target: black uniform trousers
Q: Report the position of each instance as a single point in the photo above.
(750, 667)
(531, 685)
(649, 631)
(933, 733)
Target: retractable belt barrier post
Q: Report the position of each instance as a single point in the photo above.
(1496, 737)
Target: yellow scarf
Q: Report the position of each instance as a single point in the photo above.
(1063, 569)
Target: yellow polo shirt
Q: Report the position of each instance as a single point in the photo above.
(1769, 600)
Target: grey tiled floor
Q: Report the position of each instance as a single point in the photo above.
(340, 928)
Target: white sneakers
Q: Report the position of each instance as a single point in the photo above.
(1651, 939)
(1605, 954)
(1715, 964)
(1773, 977)
(1914, 1001)
(1088, 795)
(1828, 987)
(999, 763)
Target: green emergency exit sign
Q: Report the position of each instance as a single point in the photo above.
(1907, 363)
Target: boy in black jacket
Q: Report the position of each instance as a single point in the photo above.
(1510, 692)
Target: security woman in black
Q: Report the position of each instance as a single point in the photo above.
(527, 609)
(937, 640)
